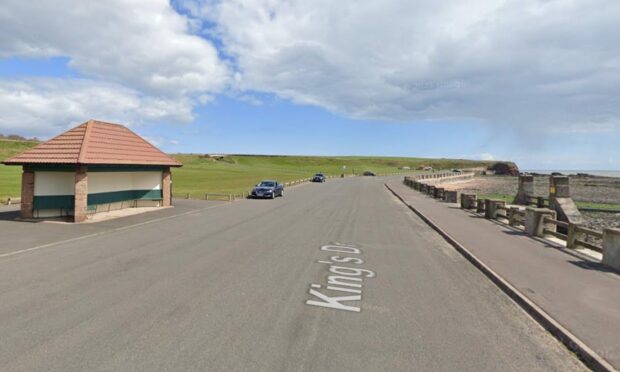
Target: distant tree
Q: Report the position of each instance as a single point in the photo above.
(17, 137)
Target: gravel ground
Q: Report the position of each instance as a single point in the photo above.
(585, 189)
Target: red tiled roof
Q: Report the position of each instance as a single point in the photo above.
(95, 142)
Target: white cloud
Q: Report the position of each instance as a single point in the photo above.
(143, 44)
(139, 59)
(44, 107)
(524, 63)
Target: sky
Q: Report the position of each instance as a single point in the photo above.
(532, 81)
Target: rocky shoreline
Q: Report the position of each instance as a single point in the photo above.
(584, 188)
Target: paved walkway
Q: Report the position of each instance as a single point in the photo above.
(580, 294)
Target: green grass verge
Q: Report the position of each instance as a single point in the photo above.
(603, 206)
(238, 173)
(10, 177)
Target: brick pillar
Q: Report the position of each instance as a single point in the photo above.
(27, 194)
(81, 193)
(165, 187)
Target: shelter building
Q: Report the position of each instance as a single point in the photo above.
(91, 168)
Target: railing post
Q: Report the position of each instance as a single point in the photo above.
(438, 194)
(491, 210)
(451, 196)
(571, 236)
(480, 205)
(535, 221)
(431, 190)
(468, 201)
(187, 196)
(513, 212)
(611, 248)
(206, 196)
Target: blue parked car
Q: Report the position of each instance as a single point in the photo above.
(268, 189)
(319, 177)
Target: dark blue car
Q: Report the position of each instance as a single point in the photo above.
(319, 177)
(268, 189)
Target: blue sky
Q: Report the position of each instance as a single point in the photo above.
(320, 79)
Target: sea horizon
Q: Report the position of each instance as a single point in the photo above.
(600, 173)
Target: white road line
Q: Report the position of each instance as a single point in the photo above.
(48, 245)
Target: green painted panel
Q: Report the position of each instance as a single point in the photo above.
(53, 202)
(50, 168)
(117, 196)
(67, 201)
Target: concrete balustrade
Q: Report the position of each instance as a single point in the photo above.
(468, 201)
(538, 222)
(491, 208)
(572, 236)
(535, 223)
(611, 248)
(513, 216)
(451, 196)
(439, 191)
(480, 203)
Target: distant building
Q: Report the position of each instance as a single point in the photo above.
(93, 167)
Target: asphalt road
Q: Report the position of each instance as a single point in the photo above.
(228, 288)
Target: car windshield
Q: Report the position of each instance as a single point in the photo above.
(267, 184)
(319, 174)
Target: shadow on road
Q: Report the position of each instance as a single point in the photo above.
(596, 266)
(9, 215)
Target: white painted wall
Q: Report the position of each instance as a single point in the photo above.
(53, 183)
(122, 181)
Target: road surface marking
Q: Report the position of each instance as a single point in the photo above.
(347, 279)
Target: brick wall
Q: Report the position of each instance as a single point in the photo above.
(27, 194)
(81, 193)
(165, 187)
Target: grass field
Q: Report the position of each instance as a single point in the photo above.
(10, 177)
(238, 173)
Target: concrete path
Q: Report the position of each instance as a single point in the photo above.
(230, 289)
(578, 292)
